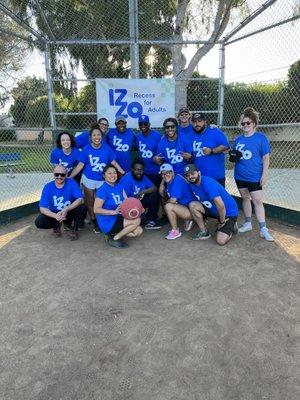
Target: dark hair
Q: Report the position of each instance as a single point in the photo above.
(137, 161)
(58, 139)
(109, 166)
(93, 127)
(170, 119)
(250, 113)
(103, 119)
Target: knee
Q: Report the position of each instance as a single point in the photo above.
(246, 196)
(258, 202)
(169, 207)
(139, 231)
(194, 206)
(221, 241)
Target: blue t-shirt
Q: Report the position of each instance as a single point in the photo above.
(132, 186)
(250, 166)
(208, 190)
(112, 197)
(171, 152)
(95, 160)
(186, 130)
(69, 161)
(56, 199)
(212, 165)
(121, 143)
(82, 139)
(147, 146)
(180, 190)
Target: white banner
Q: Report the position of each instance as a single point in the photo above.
(134, 97)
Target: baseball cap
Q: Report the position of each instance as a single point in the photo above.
(166, 168)
(183, 110)
(120, 118)
(189, 169)
(198, 115)
(144, 118)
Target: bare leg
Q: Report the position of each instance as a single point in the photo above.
(246, 199)
(89, 197)
(257, 198)
(175, 211)
(130, 226)
(222, 238)
(197, 211)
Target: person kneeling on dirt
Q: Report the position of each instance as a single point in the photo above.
(61, 202)
(214, 202)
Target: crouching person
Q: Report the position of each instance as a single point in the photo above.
(214, 202)
(61, 202)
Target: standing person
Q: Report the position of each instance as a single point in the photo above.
(136, 184)
(65, 152)
(251, 170)
(177, 194)
(184, 121)
(107, 208)
(173, 148)
(83, 138)
(61, 201)
(146, 143)
(93, 158)
(121, 140)
(208, 146)
(213, 202)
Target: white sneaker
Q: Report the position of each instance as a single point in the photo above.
(264, 233)
(247, 226)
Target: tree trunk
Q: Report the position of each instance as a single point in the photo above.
(180, 94)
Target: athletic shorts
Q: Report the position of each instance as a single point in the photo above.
(251, 186)
(228, 228)
(90, 183)
(118, 225)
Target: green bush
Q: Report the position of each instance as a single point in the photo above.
(7, 135)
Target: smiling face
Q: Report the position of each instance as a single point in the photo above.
(170, 129)
(193, 177)
(110, 175)
(198, 124)
(60, 174)
(65, 142)
(138, 171)
(168, 176)
(184, 118)
(96, 137)
(103, 124)
(144, 127)
(121, 126)
(248, 125)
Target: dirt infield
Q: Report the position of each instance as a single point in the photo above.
(161, 320)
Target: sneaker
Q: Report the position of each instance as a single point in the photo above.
(153, 225)
(247, 226)
(57, 231)
(119, 244)
(96, 227)
(73, 235)
(173, 234)
(200, 235)
(188, 225)
(235, 229)
(67, 227)
(264, 233)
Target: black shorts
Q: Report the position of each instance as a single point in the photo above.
(228, 228)
(251, 186)
(117, 226)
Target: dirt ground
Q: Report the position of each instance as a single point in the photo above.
(161, 320)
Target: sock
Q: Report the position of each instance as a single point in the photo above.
(248, 219)
(262, 225)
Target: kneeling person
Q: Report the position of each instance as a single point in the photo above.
(214, 202)
(61, 200)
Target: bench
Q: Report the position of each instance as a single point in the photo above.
(9, 160)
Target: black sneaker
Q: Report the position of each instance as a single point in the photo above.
(96, 227)
(201, 235)
(153, 225)
(119, 244)
(67, 227)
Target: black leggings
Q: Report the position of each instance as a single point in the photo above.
(77, 215)
(152, 202)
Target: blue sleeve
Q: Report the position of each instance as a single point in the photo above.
(148, 183)
(160, 148)
(44, 201)
(75, 190)
(111, 154)
(176, 191)
(221, 138)
(54, 157)
(125, 183)
(188, 145)
(212, 191)
(101, 193)
(265, 146)
(82, 156)
(76, 154)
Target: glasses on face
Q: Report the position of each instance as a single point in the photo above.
(103, 124)
(246, 123)
(59, 174)
(166, 173)
(169, 127)
(143, 124)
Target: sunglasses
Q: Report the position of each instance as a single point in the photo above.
(170, 127)
(246, 123)
(59, 174)
(143, 123)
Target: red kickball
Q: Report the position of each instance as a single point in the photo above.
(131, 208)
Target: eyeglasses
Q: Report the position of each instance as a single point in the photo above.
(103, 123)
(169, 127)
(143, 123)
(246, 123)
(59, 174)
(166, 173)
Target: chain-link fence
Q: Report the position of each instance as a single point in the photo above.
(223, 60)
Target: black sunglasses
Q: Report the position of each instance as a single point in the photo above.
(143, 123)
(169, 126)
(58, 174)
(246, 123)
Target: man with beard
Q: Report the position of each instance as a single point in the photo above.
(213, 202)
(208, 146)
(136, 184)
(121, 140)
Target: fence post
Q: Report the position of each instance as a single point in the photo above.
(50, 88)
(133, 32)
(221, 84)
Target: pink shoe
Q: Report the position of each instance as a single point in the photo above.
(173, 234)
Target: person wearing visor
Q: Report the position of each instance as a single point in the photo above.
(208, 146)
(213, 202)
(146, 142)
(61, 201)
(121, 140)
(184, 121)
(173, 148)
(177, 194)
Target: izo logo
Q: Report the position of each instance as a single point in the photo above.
(198, 149)
(246, 154)
(117, 98)
(173, 157)
(94, 161)
(119, 146)
(59, 203)
(145, 153)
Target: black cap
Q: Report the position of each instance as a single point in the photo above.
(198, 115)
(189, 169)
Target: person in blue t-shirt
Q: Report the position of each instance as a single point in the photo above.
(208, 146)
(173, 148)
(107, 208)
(184, 121)
(146, 142)
(176, 193)
(83, 138)
(251, 170)
(65, 153)
(61, 201)
(213, 202)
(121, 139)
(136, 184)
(92, 159)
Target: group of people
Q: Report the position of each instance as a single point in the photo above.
(179, 175)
